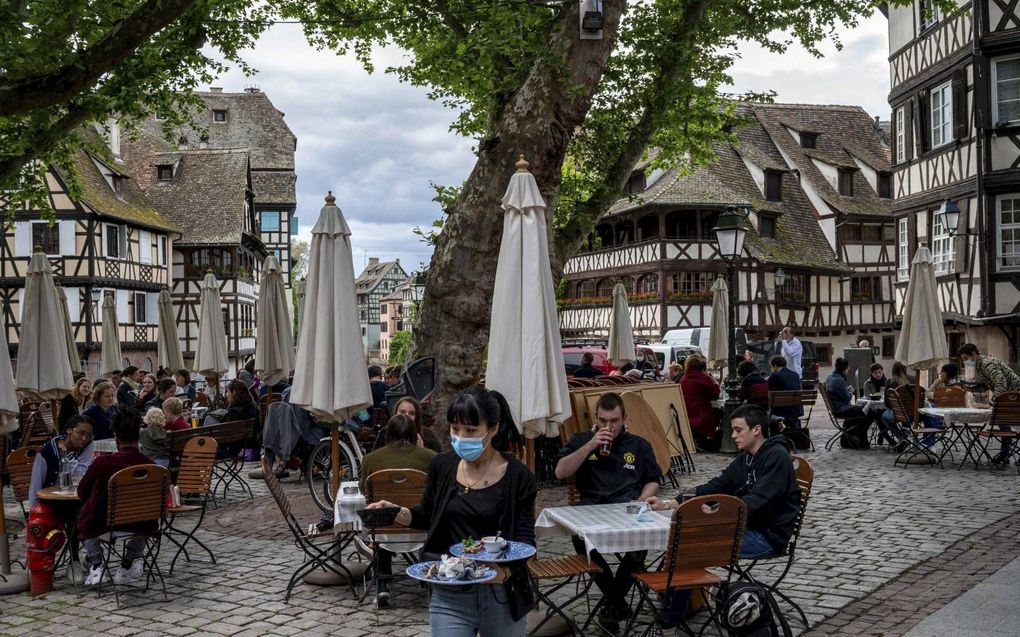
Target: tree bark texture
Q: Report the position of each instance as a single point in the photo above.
(538, 123)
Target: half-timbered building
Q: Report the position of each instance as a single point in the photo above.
(814, 181)
(377, 280)
(955, 98)
(107, 240)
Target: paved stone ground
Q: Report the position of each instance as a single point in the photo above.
(873, 533)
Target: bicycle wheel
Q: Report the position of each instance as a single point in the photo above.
(320, 471)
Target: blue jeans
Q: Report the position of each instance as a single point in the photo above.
(889, 426)
(754, 546)
(466, 611)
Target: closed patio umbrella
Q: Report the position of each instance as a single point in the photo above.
(168, 344)
(274, 347)
(72, 349)
(211, 351)
(922, 341)
(330, 375)
(621, 332)
(525, 361)
(43, 369)
(9, 582)
(718, 348)
(111, 356)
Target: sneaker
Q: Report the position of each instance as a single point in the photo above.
(124, 576)
(96, 574)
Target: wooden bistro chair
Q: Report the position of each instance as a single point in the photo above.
(699, 539)
(1005, 416)
(19, 470)
(788, 399)
(194, 481)
(404, 488)
(202, 399)
(37, 433)
(321, 548)
(837, 421)
(957, 433)
(805, 476)
(917, 433)
(136, 496)
(809, 397)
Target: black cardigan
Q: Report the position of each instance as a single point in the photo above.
(517, 522)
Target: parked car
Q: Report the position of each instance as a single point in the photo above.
(644, 358)
(762, 351)
(698, 337)
(669, 354)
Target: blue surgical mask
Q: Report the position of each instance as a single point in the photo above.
(469, 449)
(970, 362)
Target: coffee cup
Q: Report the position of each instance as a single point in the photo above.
(634, 508)
(493, 544)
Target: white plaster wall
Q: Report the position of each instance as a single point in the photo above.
(901, 26)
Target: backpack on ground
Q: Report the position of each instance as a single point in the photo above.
(750, 610)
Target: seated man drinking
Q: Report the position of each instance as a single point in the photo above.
(611, 465)
(762, 476)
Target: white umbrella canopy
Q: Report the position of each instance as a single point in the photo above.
(111, 356)
(525, 361)
(8, 396)
(718, 347)
(72, 349)
(168, 344)
(211, 351)
(43, 369)
(922, 341)
(274, 348)
(621, 331)
(330, 375)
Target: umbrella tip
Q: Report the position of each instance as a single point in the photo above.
(522, 164)
(37, 248)
(330, 199)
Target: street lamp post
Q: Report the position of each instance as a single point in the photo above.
(729, 234)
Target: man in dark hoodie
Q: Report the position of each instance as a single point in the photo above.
(762, 476)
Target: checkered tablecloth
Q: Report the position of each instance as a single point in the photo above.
(606, 528)
(958, 414)
(869, 405)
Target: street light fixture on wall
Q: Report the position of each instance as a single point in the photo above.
(729, 236)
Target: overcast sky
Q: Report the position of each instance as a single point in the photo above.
(377, 143)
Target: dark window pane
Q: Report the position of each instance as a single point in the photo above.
(773, 186)
(46, 237)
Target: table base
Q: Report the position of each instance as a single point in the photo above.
(15, 582)
(553, 627)
(324, 577)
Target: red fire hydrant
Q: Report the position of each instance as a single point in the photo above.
(45, 538)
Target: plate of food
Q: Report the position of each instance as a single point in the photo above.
(452, 570)
(875, 396)
(491, 549)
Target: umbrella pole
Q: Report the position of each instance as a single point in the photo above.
(529, 453)
(917, 400)
(335, 465)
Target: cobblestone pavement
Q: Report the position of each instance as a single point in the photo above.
(878, 541)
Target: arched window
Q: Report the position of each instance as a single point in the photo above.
(124, 363)
(148, 364)
(628, 284)
(648, 283)
(604, 287)
(624, 232)
(585, 289)
(648, 227)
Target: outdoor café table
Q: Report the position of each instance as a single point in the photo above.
(972, 418)
(606, 528)
(869, 405)
(57, 494)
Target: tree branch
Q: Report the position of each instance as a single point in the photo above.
(42, 140)
(18, 96)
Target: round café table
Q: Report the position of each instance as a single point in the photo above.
(56, 494)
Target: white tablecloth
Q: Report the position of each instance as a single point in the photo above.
(346, 520)
(606, 528)
(958, 414)
(869, 405)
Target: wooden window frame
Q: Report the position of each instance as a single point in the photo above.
(262, 218)
(845, 182)
(943, 250)
(903, 249)
(804, 140)
(52, 233)
(944, 127)
(773, 185)
(900, 140)
(216, 114)
(767, 226)
(1000, 229)
(995, 91)
(164, 172)
(140, 310)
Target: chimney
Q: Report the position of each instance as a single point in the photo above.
(182, 142)
(203, 142)
(215, 89)
(373, 260)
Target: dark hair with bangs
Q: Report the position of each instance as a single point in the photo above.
(477, 404)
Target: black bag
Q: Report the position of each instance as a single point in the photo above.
(749, 610)
(799, 438)
(855, 434)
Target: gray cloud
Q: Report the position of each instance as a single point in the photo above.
(377, 143)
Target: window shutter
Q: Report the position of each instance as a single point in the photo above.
(892, 137)
(22, 239)
(122, 235)
(66, 238)
(21, 302)
(122, 307)
(73, 304)
(922, 134)
(152, 308)
(911, 238)
(908, 125)
(961, 240)
(982, 79)
(961, 125)
(144, 246)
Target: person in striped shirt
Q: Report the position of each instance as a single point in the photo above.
(996, 377)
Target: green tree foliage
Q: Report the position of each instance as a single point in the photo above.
(399, 344)
(65, 64)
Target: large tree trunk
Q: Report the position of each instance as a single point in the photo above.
(538, 122)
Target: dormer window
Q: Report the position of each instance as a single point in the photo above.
(164, 172)
(219, 116)
(773, 185)
(885, 185)
(767, 226)
(636, 184)
(808, 140)
(116, 183)
(846, 182)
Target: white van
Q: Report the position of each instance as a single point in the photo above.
(667, 354)
(698, 337)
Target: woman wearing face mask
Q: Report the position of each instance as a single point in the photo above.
(474, 492)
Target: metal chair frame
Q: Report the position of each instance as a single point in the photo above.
(194, 479)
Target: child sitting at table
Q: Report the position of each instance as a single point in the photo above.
(173, 409)
(152, 441)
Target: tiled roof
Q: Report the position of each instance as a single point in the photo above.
(844, 132)
(274, 186)
(373, 274)
(206, 197)
(130, 205)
